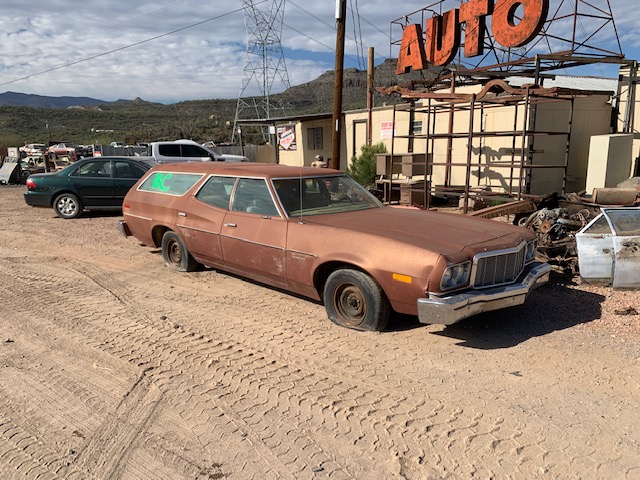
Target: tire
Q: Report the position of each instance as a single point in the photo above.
(355, 300)
(53, 156)
(67, 206)
(175, 254)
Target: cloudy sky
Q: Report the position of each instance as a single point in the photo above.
(172, 50)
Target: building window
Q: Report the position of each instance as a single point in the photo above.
(314, 138)
(416, 127)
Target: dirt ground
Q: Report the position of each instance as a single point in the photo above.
(113, 366)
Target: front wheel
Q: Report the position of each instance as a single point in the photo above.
(355, 300)
(67, 206)
(175, 254)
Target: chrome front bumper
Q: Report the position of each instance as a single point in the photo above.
(448, 310)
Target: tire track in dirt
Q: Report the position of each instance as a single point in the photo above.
(144, 344)
(108, 449)
(238, 362)
(23, 455)
(56, 407)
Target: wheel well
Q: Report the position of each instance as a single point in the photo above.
(157, 233)
(323, 271)
(62, 192)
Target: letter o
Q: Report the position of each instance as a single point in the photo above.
(503, 22)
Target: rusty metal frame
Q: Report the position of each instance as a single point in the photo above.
(549, 50)
(496, 93)
(531, 60)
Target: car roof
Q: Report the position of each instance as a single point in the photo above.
(120, 157)
(149, 161)
(267, 170)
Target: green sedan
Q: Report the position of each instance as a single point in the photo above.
(98, 183)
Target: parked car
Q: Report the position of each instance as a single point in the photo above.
(32, 149)
(70, 150)
(57, 165)
(318, 233)
(30, 165)
(89, 184)
(188, 151)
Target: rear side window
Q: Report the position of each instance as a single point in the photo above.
(98, 168)
(169, 150)
(171, 183)
(128, 170)
(217, 191)
(194, 151)
(252, 196)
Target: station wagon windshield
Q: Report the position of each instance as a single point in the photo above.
(323, 195)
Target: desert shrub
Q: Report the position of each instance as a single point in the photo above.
(363, 166)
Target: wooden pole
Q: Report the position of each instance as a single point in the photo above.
(370, 74)
(341, 13)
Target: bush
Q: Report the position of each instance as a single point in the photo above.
(363, 167)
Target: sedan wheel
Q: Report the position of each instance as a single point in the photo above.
(67, 206)
(175, 254)
(354, 300)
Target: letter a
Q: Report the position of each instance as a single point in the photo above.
(411, 54)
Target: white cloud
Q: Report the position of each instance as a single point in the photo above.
(205, 61)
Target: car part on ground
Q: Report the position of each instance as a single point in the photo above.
(608, 248)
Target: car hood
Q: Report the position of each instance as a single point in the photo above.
(445, 233)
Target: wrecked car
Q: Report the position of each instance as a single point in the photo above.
(609, 248)
(318, 233)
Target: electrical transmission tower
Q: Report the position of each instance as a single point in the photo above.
(265, 63)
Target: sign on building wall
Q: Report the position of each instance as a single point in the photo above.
(287, 137)
(387, 130)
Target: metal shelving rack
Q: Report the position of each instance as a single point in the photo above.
(523, 100)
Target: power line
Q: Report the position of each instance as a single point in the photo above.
(316, 41)
(332, 27)
(119, 49)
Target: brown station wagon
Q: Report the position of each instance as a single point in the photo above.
(317, 233)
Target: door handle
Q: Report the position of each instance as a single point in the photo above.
(232, 225)
(182, 214)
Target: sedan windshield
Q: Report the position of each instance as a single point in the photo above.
(323, 195)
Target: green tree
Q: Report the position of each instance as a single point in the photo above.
(363, 167)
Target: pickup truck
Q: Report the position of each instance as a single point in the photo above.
(188, 151)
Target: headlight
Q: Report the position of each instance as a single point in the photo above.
(530, 254)
(455, 276)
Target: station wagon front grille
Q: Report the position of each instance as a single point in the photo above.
(498, 268)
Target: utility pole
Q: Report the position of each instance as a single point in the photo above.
(341, 14)
(370, 72)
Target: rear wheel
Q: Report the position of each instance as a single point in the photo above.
(175, 254)
(355, 300)
(67, 206)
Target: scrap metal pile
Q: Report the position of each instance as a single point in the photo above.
(556, 229)
(556, 226)
(557, 219)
